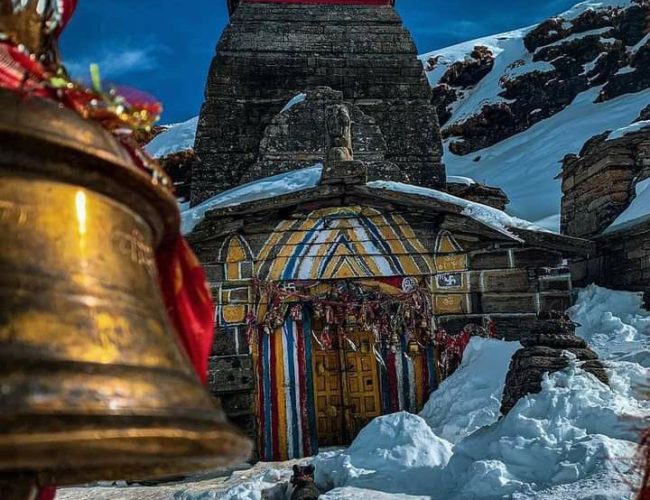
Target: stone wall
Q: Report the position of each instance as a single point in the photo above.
(271, 52)
(598, 185)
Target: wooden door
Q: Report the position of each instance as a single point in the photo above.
(346, 389)
(328, 387)
(362, 392)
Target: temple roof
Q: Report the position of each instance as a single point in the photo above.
(305, 186)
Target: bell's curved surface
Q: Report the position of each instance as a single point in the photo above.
(93, 381)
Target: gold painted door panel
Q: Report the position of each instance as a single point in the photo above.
(346, 389)
(363, 401)
(328, 397)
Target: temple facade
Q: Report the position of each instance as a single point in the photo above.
(348, 280)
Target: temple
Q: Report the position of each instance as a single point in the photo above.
(272, 52)
(348, 277)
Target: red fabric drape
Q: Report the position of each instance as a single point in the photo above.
(189, 302)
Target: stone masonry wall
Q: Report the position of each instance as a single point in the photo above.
(271, 52)
(599, 184)
(597, 187)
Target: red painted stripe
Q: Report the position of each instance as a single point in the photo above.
(327, 2)
(275, 424)
(392, 382)
(302, 378)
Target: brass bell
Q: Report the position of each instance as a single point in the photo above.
(93, 382)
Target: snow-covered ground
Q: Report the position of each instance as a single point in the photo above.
(574, 440)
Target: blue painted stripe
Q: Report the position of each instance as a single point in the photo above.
(291, 381)
(406, 382)
(381, 242)
(290, 268)
(311, 400)
(431, 363)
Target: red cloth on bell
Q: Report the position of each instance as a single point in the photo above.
(188, 300)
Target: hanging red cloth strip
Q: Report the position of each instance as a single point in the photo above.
(188, 300)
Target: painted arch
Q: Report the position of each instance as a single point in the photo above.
(340, 243)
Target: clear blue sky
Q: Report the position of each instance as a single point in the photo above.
(164, 47)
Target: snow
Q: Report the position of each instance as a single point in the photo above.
(574, 429)
(526, 165)
(178, 137)
(489, 216)
(639, 44)
(452, 412)
(396, 453)
(613, 323)
(582, 7)
(295, 100)
(637, 212)
(269, 187)
(634, 127)
(574, 440)
(510, 55)
(578, 36)
(457, 179)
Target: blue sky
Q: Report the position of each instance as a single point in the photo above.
(164, 47)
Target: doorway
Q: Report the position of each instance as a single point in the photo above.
(346, 389)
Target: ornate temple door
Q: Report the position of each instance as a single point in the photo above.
(328, 395)
(346, 389)
(362, 392)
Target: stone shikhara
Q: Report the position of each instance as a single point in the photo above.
(271, 52)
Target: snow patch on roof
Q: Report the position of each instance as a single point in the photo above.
(269, 187)
(637, 212)
(489, 216)
(458, 179)
(178, 137)
(295, 100)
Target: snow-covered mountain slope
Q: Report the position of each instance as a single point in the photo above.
(514, 104)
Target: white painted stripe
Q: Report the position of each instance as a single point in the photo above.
(412, 396)
(399, 360)
(287, 394)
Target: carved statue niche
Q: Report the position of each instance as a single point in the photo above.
(339, 134)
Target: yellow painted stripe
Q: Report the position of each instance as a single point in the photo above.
(281, 390)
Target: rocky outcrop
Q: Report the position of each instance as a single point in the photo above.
(599, 183)
(271, 52)
(179, 167)
(479, 193)
(564, 57)
(545, 351)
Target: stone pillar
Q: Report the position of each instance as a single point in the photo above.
(542, 353)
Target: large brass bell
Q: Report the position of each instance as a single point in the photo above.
(93, 381)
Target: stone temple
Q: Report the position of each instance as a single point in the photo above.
(353, 51)
(348, 275)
